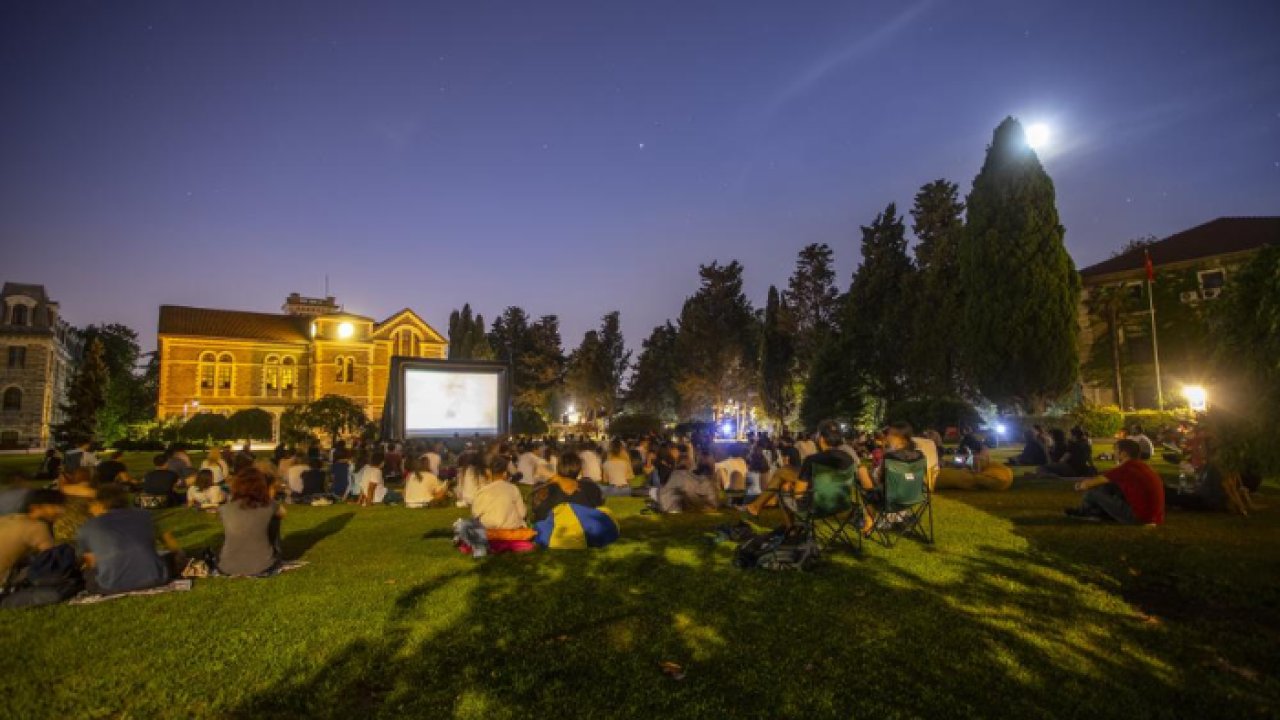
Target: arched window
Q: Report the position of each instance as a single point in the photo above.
(19, 314)
(271, 376)
(346, 369)
(206, 373)
(288, 376)
(225, 374)
(12, 399)
(407, 342)
(351, 369)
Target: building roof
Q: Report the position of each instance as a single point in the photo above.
(35, 292)
(238, 324)
(1222, 236)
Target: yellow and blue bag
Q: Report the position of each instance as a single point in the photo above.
(576, 527)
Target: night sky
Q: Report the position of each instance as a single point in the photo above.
(574, 158)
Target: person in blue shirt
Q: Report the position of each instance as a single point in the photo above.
(118, 546)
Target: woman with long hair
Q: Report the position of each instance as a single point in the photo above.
(251, 526)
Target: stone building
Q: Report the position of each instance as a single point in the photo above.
(38, 353)
(227, 360)
(1191, 270)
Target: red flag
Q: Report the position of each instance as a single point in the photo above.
(1151, 271)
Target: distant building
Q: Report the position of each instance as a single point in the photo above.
(38, 352)
(227, 360)
(1192, 268)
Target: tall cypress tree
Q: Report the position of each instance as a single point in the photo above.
(878, 316)
(777, 360)
(1020, 286)
(812, 301)
(85, 397)
(938, 224)
(653, 384)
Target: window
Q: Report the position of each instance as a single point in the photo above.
(12, 400)
(20, 314)
(271, 376)
(207, 366)
(406, 342)
(224, 375)
(288, 376)
(346, 369)
(17, 357)
(1212, 279)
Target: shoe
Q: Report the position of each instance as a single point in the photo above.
(1078, 514)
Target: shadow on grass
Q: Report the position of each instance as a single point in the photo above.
(295, 544)
(583, 633)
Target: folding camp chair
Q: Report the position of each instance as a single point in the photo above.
(828, 507)
(905, 494)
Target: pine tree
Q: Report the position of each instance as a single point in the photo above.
(615, 360)
(85, 397)
(717, 342)
(1020, 286)
(938, 224)
(877, 318)
(653, 384)
(812, 301)
(777, 360)
(834, 389)
(480, 349)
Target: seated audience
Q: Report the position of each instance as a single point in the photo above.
(592, 468)
(373, 487)
(1033, 452)
(340, 469)
(498, 504)
(689, 490)
(313, 480)
(899, 445)
(27, 533)
(112, 470)
(158, 484)
(422, 488)
(1076, 461)
(1130, 493)
(251, 526)
(1146, 448)
(786, 479)
(205, 494)
(118, 546)
(617, 470)
(50, 466)
(214, 463)
(981, 472)
(79, 492)
(565, 487)
(736, 463)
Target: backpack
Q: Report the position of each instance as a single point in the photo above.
(792, 549)
(52, 576)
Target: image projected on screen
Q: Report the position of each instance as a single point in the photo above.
(439, 402)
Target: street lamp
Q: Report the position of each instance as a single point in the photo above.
(1197, 397)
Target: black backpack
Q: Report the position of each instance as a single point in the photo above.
(792, 549)
(52, 576)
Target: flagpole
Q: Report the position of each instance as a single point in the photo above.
(1155, 342)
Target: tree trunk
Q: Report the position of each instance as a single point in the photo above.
(1115, 355)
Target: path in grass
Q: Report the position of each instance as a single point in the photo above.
(1013, 612)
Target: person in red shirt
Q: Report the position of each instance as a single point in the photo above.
(1131, 493)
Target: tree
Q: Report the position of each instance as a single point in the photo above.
(653, 384)
(334, 414)
(583, 374)
(1245, 407)
(126, 400)
(1020, 286)
(466, 336)
(206, 426)
(833, 390)
(480, 349)
(812, 300)
(85, 396)
(1137, 244)
(249, 424)
(717, 342)
(777, 360)
(534, 353)
(938, 224)
(877, 317)
(615, 360)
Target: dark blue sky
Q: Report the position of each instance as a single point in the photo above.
(573, 158)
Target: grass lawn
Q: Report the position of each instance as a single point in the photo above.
(1016, 611)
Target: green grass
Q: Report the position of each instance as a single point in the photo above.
(1014, 612)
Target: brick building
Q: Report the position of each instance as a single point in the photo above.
(227, 360)
(38, 353)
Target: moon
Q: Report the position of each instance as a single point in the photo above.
(1038, 135)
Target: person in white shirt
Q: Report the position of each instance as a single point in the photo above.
(617, 471)
(293, 477)
(527, 463)
(216, 465)
(422, 488)
(471, 473)
(205, 493)
(373, 489)
(592, 468)
(1146, 448)
(432, 458)
(735, 463)
(498, 505)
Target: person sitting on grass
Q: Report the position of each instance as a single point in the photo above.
(118, 546)
(898, 445)
(422, 488)
(1130, 493)
(250, 525)
(27, 533)
(205, 494)
(565, 487)
(1076, 461)
(112, 470)
(498, 504)
(158, 483)
(1033, 452)
(50, 466)
(373, 488)
(213, 462)
(313, 480)
(617, 470)
(79, 491)
(1146, 448)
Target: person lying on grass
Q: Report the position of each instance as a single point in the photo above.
(251, 526)
(118, 546)
(565, 487)
(1130, 493)
(498, 504)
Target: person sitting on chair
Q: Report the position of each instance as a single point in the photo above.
(565, 487)
(1130, 493)
(118, 546)
(785, 479)
(899, 445)
(832, 452)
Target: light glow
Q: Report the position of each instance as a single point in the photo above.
(1197, 397)
(346, 330)
(1000, 428)
(1038, 136)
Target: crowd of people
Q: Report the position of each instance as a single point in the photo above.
(94, 519)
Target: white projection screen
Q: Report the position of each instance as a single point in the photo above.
(443, 399)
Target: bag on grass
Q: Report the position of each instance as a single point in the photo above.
(792, 549)
(52, 576)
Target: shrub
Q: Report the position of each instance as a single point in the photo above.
(205, 426)
(1151, 420)
(1098, 420)
(635, 425)
(527, 421)
(250, 424)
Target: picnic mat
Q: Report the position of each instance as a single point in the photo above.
(179, 585)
